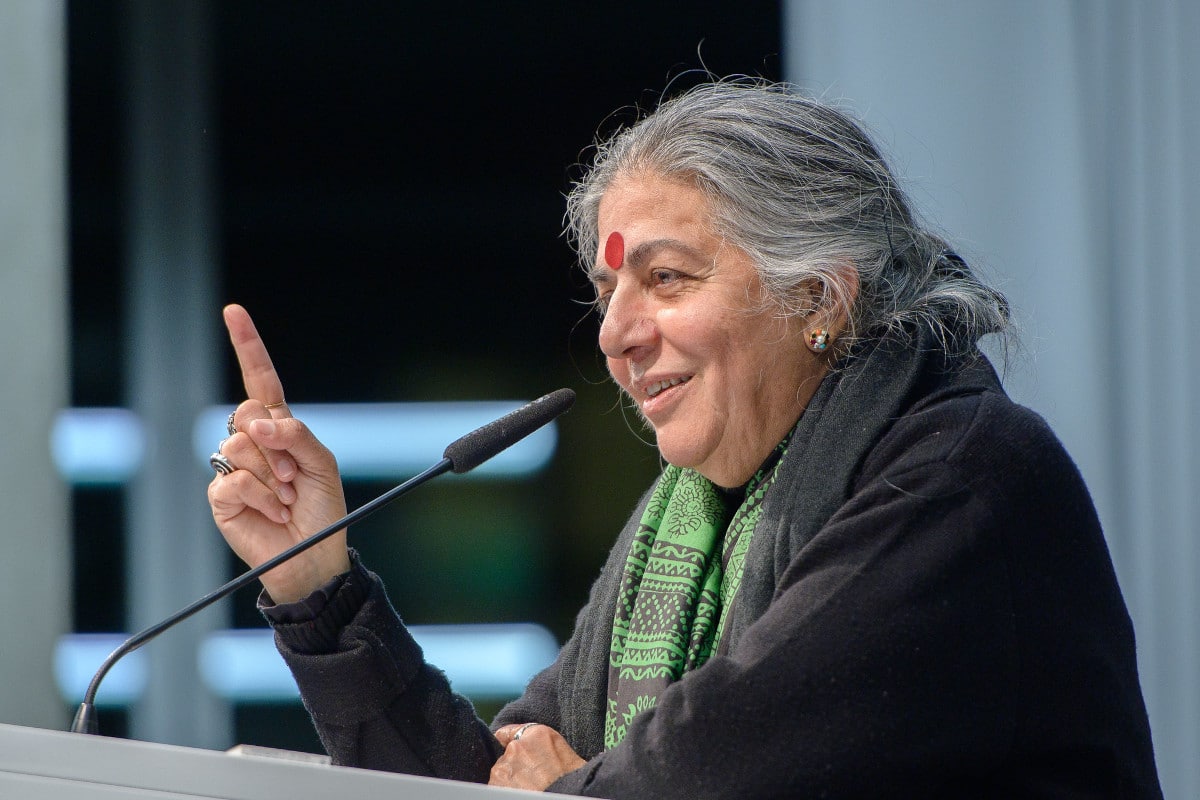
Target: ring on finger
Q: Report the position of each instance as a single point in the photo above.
(230, 426)
(521, 730)
(220, 464)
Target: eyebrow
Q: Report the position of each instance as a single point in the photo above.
(637, 257)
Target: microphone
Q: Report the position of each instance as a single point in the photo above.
(461, 455)
(483, 443)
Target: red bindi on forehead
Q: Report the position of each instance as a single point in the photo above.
(614, 250)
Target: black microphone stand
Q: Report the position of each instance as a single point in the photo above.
(86, 719)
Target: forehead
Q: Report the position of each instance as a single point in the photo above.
(647, 206)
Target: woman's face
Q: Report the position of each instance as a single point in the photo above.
(689, 335)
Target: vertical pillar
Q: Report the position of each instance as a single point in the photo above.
(1141, 72)
(35, 566)
(174, 553)
(1057, 141)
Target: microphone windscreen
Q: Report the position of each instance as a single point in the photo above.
(479, 445)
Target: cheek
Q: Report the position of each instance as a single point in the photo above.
(619, 369)
(701, 335)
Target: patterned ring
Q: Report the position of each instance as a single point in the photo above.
(229, 426)
(521, 730)
(220, 463)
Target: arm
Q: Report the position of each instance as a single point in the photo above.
(373, 699)
(372, 729)
(377, 704)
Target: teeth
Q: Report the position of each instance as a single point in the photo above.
(655, 388)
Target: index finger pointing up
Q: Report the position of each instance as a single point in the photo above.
(258, 373)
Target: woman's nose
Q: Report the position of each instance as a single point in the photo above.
(626, 325)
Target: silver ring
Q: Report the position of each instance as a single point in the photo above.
(521, 730)
(229, 426)
(221, 464)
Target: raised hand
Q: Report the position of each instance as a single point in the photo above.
(285, 484)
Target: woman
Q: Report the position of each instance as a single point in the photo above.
(864, 571)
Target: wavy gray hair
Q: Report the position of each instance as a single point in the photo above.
(800, 186)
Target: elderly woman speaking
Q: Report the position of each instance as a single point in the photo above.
(863, 572)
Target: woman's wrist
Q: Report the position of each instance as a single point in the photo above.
(313, 624)
(297, 579)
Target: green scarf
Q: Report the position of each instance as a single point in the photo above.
(675, 591)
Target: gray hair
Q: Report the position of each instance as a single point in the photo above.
(800, 186)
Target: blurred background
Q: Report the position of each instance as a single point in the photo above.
(381, 185)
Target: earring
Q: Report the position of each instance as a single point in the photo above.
(818, 339)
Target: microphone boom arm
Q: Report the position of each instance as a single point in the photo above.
(85, 718)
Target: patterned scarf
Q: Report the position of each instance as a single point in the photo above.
(675, 592)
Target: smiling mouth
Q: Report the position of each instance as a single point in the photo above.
(654, 389)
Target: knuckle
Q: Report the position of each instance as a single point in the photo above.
(246, 410)
(295, 428)
(241, 480)
(220, 488)
(233, 444)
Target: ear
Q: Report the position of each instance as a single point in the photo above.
(832, 300)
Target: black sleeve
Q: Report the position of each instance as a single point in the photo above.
(377, 704)
(374, 701)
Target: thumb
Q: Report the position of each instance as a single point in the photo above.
(505, 733)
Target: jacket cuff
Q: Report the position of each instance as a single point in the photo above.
(313, 625)
(576, 782)
(354, 657)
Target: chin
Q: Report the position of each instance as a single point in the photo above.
(685, 454)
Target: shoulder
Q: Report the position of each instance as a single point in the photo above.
(981, 441)
(981, 474)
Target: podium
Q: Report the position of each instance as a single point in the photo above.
(39, 764)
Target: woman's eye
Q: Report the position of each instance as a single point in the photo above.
(662, 276)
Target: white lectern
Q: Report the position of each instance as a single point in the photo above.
(38, 764)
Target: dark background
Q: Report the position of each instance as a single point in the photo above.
(389, 182)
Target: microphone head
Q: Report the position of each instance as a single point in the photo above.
(481, 444)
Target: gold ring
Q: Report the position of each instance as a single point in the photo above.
(269, 406)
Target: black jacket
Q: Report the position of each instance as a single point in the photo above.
(928, 610)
